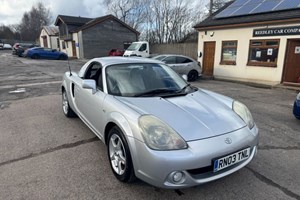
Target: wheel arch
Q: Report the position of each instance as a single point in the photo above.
(117, 119)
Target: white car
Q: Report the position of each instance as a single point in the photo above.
(182, 65)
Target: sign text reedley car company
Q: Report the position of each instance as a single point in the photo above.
(291, 30)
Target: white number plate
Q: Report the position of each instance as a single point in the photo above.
(231, 159)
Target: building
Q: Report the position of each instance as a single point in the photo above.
(88, 38)
(253, 41)
(49, 37)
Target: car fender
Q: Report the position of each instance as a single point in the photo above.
(120, 120)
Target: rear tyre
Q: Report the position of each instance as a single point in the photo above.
(66, 107)
(192, 75)
(35, 56)
(119, 156)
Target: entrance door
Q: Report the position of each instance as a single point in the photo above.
(208, 58)
(73, 48)
(292, 62)
(45, 41)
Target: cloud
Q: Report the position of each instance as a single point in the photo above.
(11, 11)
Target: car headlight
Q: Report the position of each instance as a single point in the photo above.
(158, 135)
(244, 113)
(298, 97)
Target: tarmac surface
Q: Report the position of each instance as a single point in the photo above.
(44, 155)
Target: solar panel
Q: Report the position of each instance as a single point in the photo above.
(248, 7)
(287, 5)
(245, 9)
(266, 6)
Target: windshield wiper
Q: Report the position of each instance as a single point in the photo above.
(156, 91)
(184, 88)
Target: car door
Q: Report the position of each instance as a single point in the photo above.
(89, 105)
(171, 62)
(183, 65)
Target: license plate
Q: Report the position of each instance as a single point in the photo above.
(231, 159)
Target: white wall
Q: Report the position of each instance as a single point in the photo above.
(51, 40)
(240, 71)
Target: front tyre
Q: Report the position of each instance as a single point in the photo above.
(119, 156)
(66, 107)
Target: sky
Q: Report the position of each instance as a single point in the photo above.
(11, 11)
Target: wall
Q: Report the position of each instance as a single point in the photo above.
(240, 71)
(187, 49)
(51, 40)
(101, 38)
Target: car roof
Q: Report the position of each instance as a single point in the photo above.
(105, 61)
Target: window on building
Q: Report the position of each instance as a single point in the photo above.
(63, 44)
(263, 53)
(229, 49)
(58, 44)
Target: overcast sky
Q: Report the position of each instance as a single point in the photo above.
(11, 11)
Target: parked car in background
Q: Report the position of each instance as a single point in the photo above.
(182, 65)
(296, 108)
(47, 53)
(156, 126)
(7, 46)
(1, 44)
(19, 48)
(116, 52)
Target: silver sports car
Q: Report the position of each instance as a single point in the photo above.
(156, 126)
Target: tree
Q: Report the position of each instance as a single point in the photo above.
(6, 32)
(159, 21)
(33, 21)
(129, 11)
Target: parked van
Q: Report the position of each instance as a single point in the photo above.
(140, 49)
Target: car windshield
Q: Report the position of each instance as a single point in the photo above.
(134, 46)
(145, 80)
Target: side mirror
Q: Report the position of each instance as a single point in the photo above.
(89, 84)
(184, 76)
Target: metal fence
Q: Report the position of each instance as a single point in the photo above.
(187, 49)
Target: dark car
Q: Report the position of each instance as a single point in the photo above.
(19, 48)
(296, 109)
(41, 52)
(116, 52)
(1, 44)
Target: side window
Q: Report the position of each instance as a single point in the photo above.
(143, 47)
(92, 70)
(183, 60)
(170, 60)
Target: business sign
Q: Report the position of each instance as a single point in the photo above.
(291, 30)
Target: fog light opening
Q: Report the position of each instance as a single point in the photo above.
(177, 177)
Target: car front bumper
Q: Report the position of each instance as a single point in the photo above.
(195, 163)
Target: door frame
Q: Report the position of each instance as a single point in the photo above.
(204, 54)
(288, 46)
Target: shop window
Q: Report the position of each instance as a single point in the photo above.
(263, 53)
(229, 49)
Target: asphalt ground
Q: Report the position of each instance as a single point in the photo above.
(44, 155)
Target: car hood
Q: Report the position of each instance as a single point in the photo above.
(194, 116)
